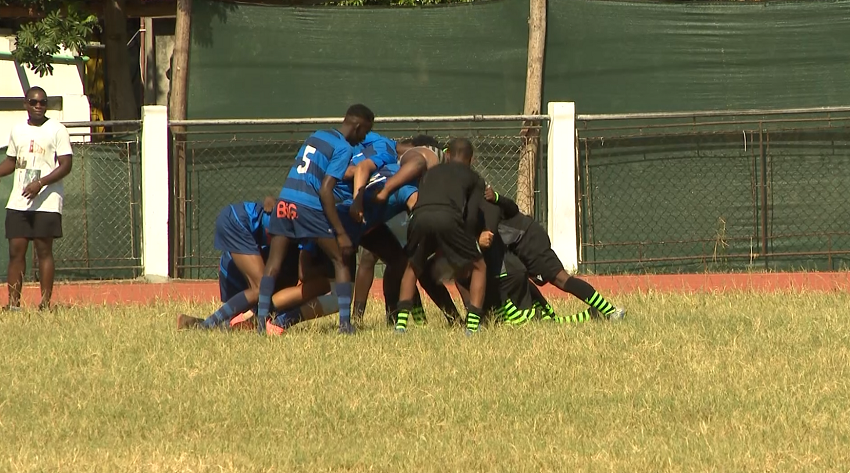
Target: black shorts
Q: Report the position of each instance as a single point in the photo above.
(534, 249)
(438, 231)
(32, 225)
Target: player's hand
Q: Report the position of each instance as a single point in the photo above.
(489, 194)
(32, 189)
(381, 197)
(345, 245)
(485, 239)
(356, 209)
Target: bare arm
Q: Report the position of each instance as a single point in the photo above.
(7, 166)
(33, 188)
(349, 173)
(361, 175)
(412, 168)
(65, 164)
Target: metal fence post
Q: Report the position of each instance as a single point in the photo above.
(561, 183)
(155, 192)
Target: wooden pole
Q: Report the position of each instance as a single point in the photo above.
(177, 111)
(527, 172)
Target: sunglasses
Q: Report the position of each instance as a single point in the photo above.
(34, 102)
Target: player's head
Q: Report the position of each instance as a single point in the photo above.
(425, 140)
(35, 102)
(357, 123)
(460, 150)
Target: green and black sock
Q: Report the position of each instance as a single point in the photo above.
(404, 310)
(418, 314)
(583, 316)
(473, 319)
(514, 315)
(588, 294)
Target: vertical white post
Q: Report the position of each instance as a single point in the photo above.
(561, 183)
(155, 192)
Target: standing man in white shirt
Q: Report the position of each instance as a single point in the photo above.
(39, 155)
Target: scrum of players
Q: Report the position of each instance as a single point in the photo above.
(279, 256)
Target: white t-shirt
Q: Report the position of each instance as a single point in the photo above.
(36, 149)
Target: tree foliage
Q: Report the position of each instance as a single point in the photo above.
(65, 24)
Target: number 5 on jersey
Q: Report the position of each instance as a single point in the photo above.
(305, 159)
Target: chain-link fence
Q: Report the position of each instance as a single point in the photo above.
(101, 216)
(102, 210)
(225, 164)
(715, 192)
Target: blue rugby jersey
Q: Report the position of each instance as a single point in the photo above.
(325, 152)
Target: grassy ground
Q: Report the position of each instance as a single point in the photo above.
(739, 382)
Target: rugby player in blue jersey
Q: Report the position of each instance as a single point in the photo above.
(240, 235)
(306, 209)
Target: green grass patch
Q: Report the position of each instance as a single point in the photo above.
(733, 382)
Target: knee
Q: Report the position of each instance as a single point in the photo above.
(561, 279)
(368, 259)
(271, 268)
(18, 252)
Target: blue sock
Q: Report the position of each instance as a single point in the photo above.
(236, 305)
(288, 318)
(264, 305)
(343, 295)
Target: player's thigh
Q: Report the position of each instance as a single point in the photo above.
(458, 247)
(314, 264)
(421, 247)
(381, 242)
(230, 278)
(309, 224)
(251, 266)
(535, 252)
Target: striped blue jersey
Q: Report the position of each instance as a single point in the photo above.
(325, 152)
(381, 151)
(252, 217)
(375, 214)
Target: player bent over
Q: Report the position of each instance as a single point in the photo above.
(240, 234)
(306, 209)
(444, 222)
(510, 296)
(529, 241)
(380, 242)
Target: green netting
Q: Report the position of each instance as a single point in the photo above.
(716, 201)
(620, 57)
(252, 61)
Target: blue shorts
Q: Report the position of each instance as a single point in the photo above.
(298, 222)
(230, 279)
(232, 235)
(375, 215)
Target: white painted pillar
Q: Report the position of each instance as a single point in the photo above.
(561, 183)
(155, 192)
